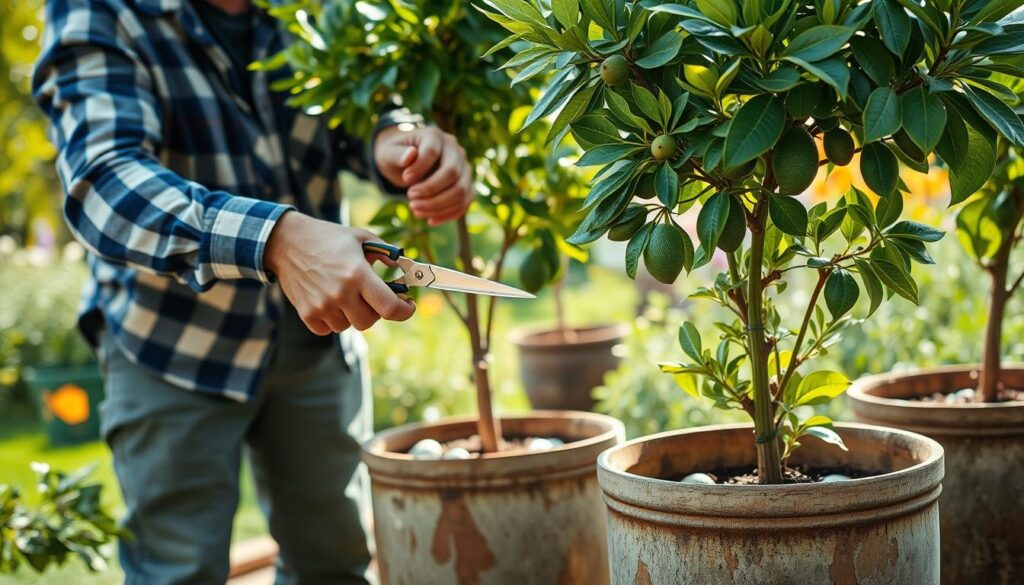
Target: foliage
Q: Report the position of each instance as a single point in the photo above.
(991, 226)
(69, 521)
(352, 60)
(28, 186)
(38, 314)
(732, 91)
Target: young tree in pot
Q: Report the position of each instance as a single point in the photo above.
(719, 104)
(975, 412)
(350, 62)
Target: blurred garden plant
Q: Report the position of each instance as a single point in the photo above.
(354, 59)
(68, 521)
(990, 227)
(719, 104)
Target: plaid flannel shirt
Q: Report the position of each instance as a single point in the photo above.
(174, 183)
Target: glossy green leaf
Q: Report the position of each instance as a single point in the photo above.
(841, 292)
(689, 341)
(880, 169)
(924, 117)
(882, 116)
(893, 24)
(998, 114)
(754, 130)
(788, 214)
(817, 43)
(915, 231)
(712, 219)
(661, 51)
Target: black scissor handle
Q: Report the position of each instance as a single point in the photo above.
(397, 288)
(392, 252)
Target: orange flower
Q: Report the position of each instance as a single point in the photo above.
(69, 403)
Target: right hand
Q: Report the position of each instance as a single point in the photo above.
(327, 277)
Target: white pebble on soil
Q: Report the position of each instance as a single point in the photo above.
(426, 449)
(456, 453)
(543, 444)
(965, 394)
(699, 478)
(834, 477)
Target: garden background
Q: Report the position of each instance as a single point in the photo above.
(423, 373)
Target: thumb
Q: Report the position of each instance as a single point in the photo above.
(398, 155)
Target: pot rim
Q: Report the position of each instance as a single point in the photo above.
(672, 502)
(932, 418)
(491, 469)
(526, 337)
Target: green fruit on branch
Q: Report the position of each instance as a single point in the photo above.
(665, 254)
(645, 187)
(739, 172)
(839, 147)
(614, 70)
(534, 272)
(664, 147)
(795, 161)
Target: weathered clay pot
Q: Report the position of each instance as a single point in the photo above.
(523, 518)
(982, 504)
(881, 529)
(559, 371)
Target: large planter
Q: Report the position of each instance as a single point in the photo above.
(524, 518)
(560, 370)
(68, 398)
(982, 503)
(880, 529)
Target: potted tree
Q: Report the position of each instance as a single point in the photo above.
(718, 106)
(975, 411)
(560, 366)
(495, 508)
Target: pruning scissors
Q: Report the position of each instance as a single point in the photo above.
(436, 277)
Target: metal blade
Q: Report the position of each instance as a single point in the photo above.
(453, 280)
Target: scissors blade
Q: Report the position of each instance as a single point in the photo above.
(430, 276)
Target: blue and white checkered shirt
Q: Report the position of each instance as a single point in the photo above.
(174, 182)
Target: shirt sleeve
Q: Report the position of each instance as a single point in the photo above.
(121, 203)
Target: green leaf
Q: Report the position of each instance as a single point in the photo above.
(889, 209)
(828, 435)
(572, 111)
(915, 231)
(754, 130)
(833, 71)
(567, 12)
(998, 114)
(994, 10)
(782, 79)
(606, 153)
(890, 269)
(882, 116)
(721, 12)
(873, 59)
(666, 185)
(735, 228)
(689, 340)
(712, 219)
(595, 130)
(924, 117)
(817, 43)
(661, 51)
(894, 25)
(601, 12)
(788, 214)
(980, 160)
(646, 102)
(871, 284)
(841, 292)
(880, 169)
(635, 249)
(820, 387)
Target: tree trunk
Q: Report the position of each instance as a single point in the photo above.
(988, 381)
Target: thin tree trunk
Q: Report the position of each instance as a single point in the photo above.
(769, 463)
(988, 381)
(488, 427)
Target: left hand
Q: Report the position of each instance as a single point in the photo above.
(431, 165)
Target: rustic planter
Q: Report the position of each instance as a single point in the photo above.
(982, 503)
(559, 371)
(523, 518)
(881, 529)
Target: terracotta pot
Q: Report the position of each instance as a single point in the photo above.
(523, 518)
(982, 504)
(881, 529)
(559, 371)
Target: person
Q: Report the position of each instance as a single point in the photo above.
(210, 212)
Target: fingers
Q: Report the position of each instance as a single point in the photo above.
(386, 303)
(335, 321)
(318, 326)
(450, 204)
(430, 145)
(360, 314)
(449, 171)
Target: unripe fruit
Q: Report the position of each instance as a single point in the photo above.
(839, 147)
(614, 70)
(795, 161)
(534, 272)
(645, 187)
(624, 231)
(739, 172)
(665, 254)
(664, 147)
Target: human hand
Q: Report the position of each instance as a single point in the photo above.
(328, 278)
(431, 165)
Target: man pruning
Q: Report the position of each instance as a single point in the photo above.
(210, 211)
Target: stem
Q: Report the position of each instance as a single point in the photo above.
(487, 426)
(769, 465)
(794, 362)
(988, 381)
